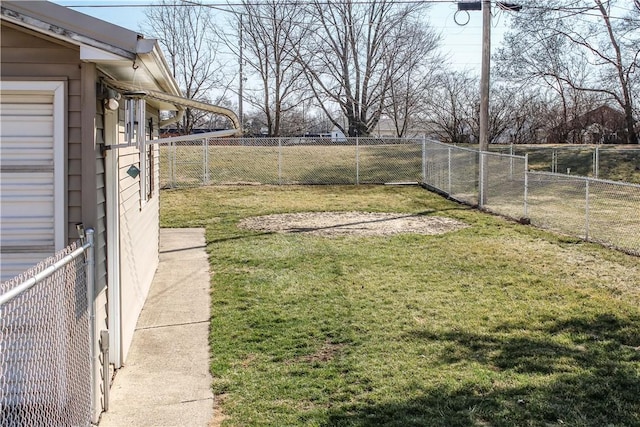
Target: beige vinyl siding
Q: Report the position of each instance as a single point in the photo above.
(25, 56)
(139, 234)
(101, 301)
(101, 217)
(28, 56)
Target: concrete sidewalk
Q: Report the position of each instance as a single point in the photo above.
(166, 379)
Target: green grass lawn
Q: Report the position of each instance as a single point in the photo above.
(498, 324)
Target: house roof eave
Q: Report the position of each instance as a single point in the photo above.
(69, 24)
(118, 52)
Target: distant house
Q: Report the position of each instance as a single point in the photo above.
(603, 125)
(80, 99)
(386, 128)
(336, 135)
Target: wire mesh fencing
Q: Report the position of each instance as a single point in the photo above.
(506, 184)
(45, 362)
(280, 161)
(596, 210)
(601, 211)
(617, 163)
(452, 170)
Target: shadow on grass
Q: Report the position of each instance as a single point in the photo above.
(239, 237)
(581, 371)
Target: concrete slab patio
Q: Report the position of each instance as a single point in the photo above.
(166, 379)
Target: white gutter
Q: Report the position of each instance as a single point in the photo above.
(172, 120)
(178, 100)
(151, 55)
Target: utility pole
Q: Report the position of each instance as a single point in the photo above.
(484, 75)
(484, 98)
(241, 77)
(485, 70)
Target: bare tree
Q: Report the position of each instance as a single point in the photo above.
(450, 110)
(353, 54)
(582, 48)
(212, 121)
(271, 31)
(185, 34)
(414, 75)
(526, 118)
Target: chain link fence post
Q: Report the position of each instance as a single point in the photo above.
(205, 163)
(357, 161)
(279, 161)
(424, 158)
(172, 165)
(449, 171)
(526, 185)
(90, 272)
(482, 181)
(586, 209)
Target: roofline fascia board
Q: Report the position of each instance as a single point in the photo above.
(78, 22)
(61, 33)
(162, 63)
(94, 54)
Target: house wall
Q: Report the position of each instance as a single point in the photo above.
(139, 235)
(29, 56)
(25, 56)
(94, 121)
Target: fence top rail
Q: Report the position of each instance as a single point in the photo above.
(195, 137)
(475, 150)
(584, 178)
(512, 156)
(39, 277)
(452, 146)
(220, 138)
(568, 147)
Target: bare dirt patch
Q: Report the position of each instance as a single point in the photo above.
(332, 224)
(326, 353)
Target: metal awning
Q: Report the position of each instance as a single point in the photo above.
(176, 100)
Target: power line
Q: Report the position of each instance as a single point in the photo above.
(254, 3)
(223, 6)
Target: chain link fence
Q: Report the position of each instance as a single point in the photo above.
(45, 357)
(595, 161)
(596, 210)
(506, 185)
(452, 170)
(455, 171)
(281, 161)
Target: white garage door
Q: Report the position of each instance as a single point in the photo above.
(31, 174)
